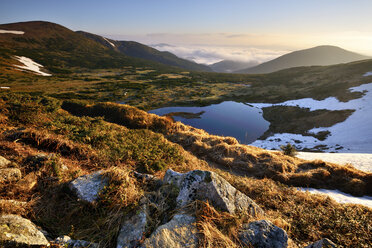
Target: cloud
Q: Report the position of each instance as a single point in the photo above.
(212, 54)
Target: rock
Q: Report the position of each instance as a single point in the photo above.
(141, 176)
(18, 231)
(4, 162)
(132, 231)
(66, 241)
(10, 175)
(263, 234)
(177, 233)
(87, 187)
(27, 183)
(206, 185)
(323, 243)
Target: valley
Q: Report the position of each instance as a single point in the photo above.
(166, 140)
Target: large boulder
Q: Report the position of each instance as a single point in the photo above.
(67, 242)
(206, 185)
(132, 231)
(179, 232)
(16, 231)
(323, 243)
(4, 162)
(263, 234)
(10, 175)
(88, 187)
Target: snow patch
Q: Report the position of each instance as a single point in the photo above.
(367, 74)
(112, 44)
(361, 161)
(2, 31)
(341, 197)
(4, 87)
(352, 135)
(30, 65)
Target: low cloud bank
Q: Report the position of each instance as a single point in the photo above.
(212, 54)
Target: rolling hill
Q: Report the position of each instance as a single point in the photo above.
(138, 50)
(228, 66)
(320, 55)
(59, 49)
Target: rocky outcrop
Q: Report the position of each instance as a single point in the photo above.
(323, 243)
(66, 241)
(10, 175)
(4, 163)
(177, 233)
(132, 231)
(206, 185)
(87, 187)
(17, 231)
(263, 234)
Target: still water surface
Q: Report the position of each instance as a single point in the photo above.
(238, 120)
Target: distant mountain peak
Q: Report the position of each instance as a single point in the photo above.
(319, 55)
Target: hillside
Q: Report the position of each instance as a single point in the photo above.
(228, 66)
(59, 49)
(320, 55)
(138, 50)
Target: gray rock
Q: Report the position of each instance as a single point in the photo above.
(142, 176)
(177, 233)
(18, 231)
(87, 187)
(10, 175)
(4, 162)
(323, 243)
(206, 185)
(66, 241)
(132, 230)
(263, 234)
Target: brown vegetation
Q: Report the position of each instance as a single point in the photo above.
(73, 147)
(227, 153)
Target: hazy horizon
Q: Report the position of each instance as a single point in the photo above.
(210, 31)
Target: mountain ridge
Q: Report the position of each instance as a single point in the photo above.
(139, 50)
(315, 56)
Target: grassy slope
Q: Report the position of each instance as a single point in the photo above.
(86, 144)
(60, 49)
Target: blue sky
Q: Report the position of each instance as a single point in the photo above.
(277, 25)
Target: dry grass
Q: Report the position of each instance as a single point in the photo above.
(305, 217)
(227, 153)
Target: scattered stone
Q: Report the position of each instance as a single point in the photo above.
(17, 231)
(27, 183)
(132, 231)
(10, 175)
(87, 187)
(4, 162)
(177, 233)
(323, 243)
(66, 241)
(206, 185)
(141, 176)
(263, 234)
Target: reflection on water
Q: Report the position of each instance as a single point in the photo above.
(239, 120)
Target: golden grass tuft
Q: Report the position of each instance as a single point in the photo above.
(217, 229)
